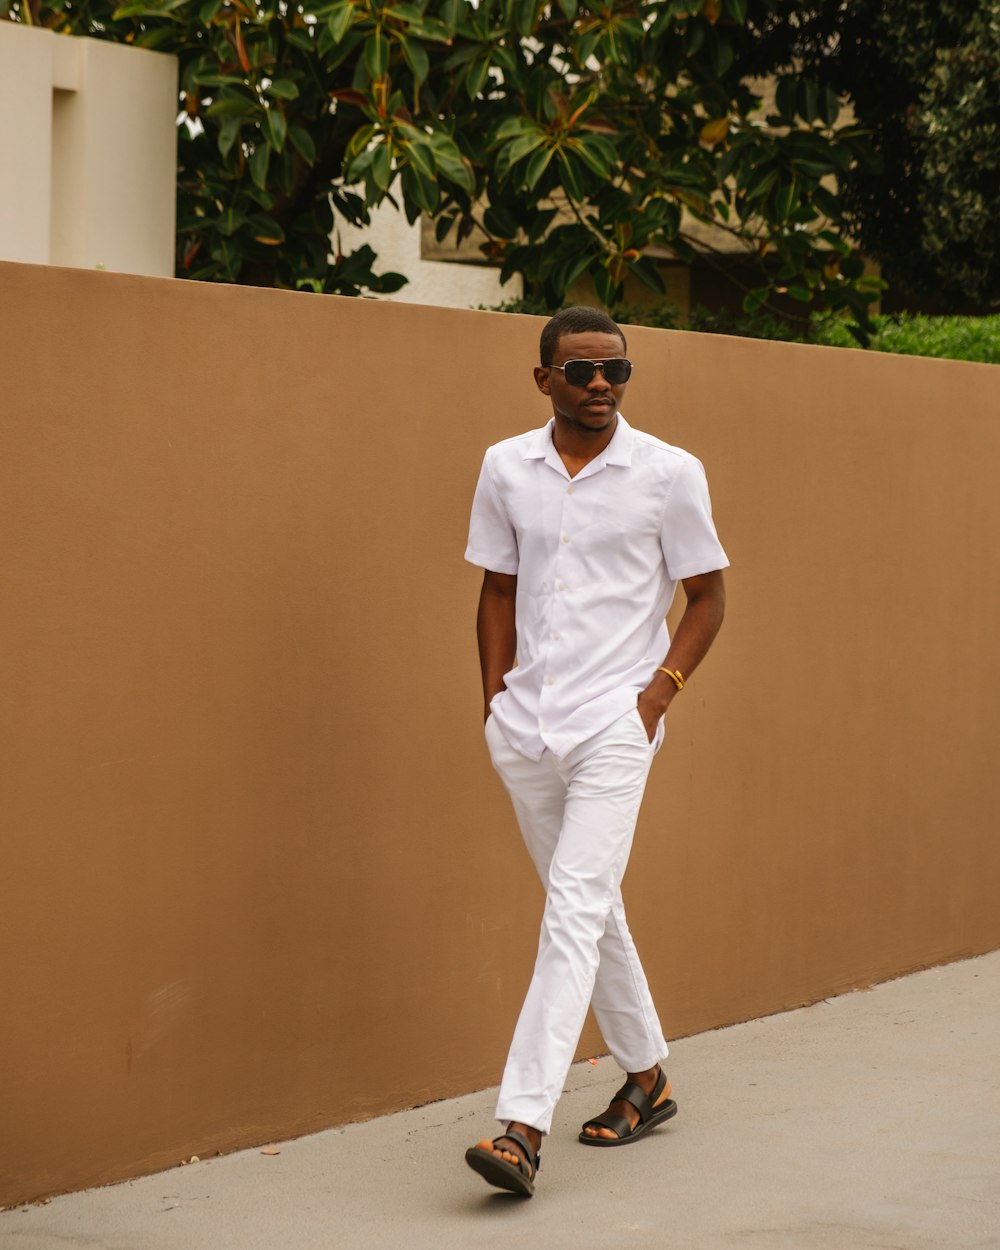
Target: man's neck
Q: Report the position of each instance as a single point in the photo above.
(578, 447)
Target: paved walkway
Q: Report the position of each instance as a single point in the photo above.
(869, 1120)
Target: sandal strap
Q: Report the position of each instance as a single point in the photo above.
(530, 1157)
(616, 1123)
(638, 1097)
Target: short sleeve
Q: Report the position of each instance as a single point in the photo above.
(492, 541)
(687, 534)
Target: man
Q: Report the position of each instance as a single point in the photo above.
(584, 528)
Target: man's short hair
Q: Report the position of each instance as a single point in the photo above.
(580, 319)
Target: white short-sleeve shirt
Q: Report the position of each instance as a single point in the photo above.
(597, 558)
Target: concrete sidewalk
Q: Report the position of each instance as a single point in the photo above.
(869, 1120)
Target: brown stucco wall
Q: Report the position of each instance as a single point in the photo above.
(258, 875)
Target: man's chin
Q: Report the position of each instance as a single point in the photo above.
(597, 419)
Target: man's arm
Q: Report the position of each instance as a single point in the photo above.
(702, 619)
(497, 633)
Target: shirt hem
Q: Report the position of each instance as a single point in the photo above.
(491, 565)
(694, 567)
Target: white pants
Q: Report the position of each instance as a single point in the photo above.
(577, 817)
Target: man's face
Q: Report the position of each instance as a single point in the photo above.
(591, 408)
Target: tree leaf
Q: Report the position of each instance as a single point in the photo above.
(276, 128)
(519, 148)
(284, 89)
(228, 133)
(381, 166)
(476, 76)
(376, 55)
(303, 143)
(420, 157)
(785, 199)
(714, 131)
(228, 222)
(340, 20)
(417, 59)
(265, 230)
(570, 176)
(233, 106)
(258, 164)
(537, 166)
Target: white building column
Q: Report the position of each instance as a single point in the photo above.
(89, 152)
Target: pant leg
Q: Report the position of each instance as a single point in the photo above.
(622, 1003)
(604, 780)
(537, 793)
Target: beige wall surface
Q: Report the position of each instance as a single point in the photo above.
(258, 875)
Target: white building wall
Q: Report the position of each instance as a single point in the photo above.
(88, 151)
(447, 284)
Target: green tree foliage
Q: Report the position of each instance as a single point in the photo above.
(924, 79)
(568, 138)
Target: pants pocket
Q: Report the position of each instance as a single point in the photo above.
(642, 727)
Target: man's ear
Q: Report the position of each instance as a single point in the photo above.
(542, 379)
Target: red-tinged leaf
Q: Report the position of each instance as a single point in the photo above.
(348, 95)
(601, 125)
(241, 51)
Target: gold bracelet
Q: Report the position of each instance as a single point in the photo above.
(674, 675)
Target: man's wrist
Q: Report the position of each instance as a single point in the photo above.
(660, 692)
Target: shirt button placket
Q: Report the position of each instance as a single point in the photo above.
(555, 629)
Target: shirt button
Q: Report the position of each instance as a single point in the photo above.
(570, 490)
(560, 585)
(565, 538)
(550, 681)
(556, 635)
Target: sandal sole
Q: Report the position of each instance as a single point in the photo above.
(499, 1173)
(660, 1116)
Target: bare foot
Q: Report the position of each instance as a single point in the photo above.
(620, 1106)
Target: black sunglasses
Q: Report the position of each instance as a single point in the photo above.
(579, 372)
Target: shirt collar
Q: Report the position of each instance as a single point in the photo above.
(539, 446)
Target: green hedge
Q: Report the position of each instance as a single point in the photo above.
(955, 338)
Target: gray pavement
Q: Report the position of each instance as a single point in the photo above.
(869, 1120)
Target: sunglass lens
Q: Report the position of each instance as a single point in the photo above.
(578, 372)
(617, 372)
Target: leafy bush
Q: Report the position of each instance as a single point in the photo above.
(956, 338)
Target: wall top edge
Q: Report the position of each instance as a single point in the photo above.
(730, 345)
(66, 50)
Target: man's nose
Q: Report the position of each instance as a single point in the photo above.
(599, 381)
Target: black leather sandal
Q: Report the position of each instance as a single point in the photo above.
(650, 1115)
(504, 1175)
